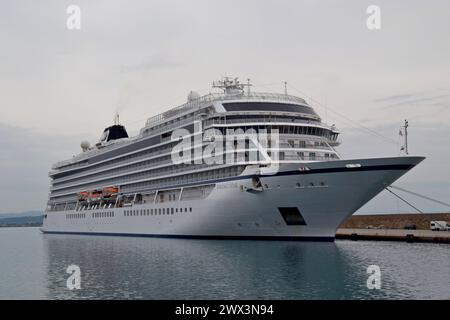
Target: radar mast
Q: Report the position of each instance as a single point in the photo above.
(232, 86)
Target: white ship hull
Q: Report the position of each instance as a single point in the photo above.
(325, 195)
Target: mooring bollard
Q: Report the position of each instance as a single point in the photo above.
(410, 238)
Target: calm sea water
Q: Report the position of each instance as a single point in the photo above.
(33, 266)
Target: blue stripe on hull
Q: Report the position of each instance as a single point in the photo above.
(210, 237)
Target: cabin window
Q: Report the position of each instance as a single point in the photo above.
(267, 106)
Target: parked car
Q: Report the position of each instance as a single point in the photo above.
(410, 227)
(439, 226)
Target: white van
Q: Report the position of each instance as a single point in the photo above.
(439, 226)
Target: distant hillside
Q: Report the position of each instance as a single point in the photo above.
(35, 213)
(30, 218)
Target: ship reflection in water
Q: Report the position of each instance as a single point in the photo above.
(151, 268)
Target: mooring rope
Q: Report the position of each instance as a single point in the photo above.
(409, 204)
(420, 195)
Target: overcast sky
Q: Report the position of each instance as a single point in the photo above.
(60, 86)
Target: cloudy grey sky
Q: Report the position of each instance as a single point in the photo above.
(58, 86)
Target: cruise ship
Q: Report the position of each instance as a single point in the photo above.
(236, 164)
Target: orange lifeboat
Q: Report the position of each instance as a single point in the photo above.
(84, 195)
(110, 191)
(96, 195)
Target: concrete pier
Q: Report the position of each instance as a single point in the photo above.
(394, 235)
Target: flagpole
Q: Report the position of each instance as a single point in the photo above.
(406, 136)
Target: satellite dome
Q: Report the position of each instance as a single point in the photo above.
(85, 145)
(193, 96)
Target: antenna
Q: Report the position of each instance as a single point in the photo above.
(248, 86)
(285, 88)
(406, 136)
(404, 132)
